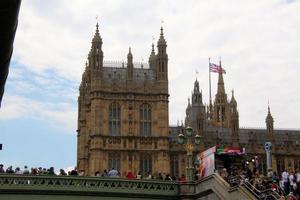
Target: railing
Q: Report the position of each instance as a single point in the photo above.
(267, 194)
(121, 64)
(60, 184)
(13, 184)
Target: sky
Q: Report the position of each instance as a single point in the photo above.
(257, 41)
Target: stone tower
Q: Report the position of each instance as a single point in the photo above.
(123, 113)
(221, 114)
(234, 121)
(195, 112)
(221, 107)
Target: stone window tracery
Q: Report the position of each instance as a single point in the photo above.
(145, 120)
(114, 119)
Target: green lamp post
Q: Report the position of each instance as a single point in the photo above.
(189, 141)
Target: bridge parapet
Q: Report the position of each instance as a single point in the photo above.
(91, 186)
(36, 187)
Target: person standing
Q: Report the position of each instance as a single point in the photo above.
(286, 182)
(113, 173)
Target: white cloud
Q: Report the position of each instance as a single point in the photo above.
(58, 115)
(258, 42)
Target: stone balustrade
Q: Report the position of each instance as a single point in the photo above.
(33, 187)
(92, 185)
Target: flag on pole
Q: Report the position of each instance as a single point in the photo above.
(216, 68)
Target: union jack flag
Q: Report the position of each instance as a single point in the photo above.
(216, 68)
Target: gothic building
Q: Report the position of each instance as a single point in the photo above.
(218, 123)
(123, 112)
(123, 119)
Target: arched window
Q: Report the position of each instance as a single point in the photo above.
(174, 165)
(114, 119)
(145, 120)
(114, 161)
(280, 165)
(145, 163)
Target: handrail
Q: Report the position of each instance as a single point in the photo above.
(260, 194)
(86, 184)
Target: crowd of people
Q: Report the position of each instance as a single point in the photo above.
(112, 173)
(286, 185)
(37, 171)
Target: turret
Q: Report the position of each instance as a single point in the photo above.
(162, 58)
(197, 95)
(188, 114)
(220, 104)
(129, 65)
(233, 104)
(269, 124)
(152, 58)
(96, 54)
(95, 60)
(234, 120)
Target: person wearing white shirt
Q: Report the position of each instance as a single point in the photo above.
(292, 181)
(286, 182)
(113, 173)
(298, 176)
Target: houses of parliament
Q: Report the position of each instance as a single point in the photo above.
(123, 119)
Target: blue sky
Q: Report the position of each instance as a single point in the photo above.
(257, 40)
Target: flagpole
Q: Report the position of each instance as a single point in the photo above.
(209, 82)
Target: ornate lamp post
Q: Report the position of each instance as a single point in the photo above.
(189, 140)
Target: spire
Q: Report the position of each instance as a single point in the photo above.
(269, 117)
(152, 57)
(152, 50)
(196, 95)
(188, 113)
(161, 41)
(129, 65)
(233, 101)
(129, 55)
(196, 86)
(95, 56)
(97, 37)
(161, 67)
(221, 88)
(152, 54)
(269, 123)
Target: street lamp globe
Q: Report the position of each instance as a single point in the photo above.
(180, 138)
(197, 139)
(189, 131)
